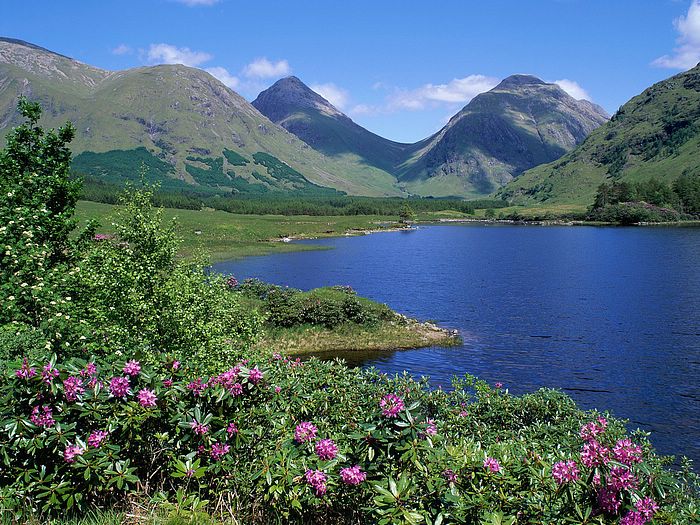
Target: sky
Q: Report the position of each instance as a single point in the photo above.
(400, 68)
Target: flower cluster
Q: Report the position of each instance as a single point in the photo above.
(565, 472)
(391, 405)
(132, 368)
(326, 449)
(352, 475)
(119, 386)
(492, 464)
(218, 450)
(147, 398)
(317, 479)
(25, 371)
(42, 416)
(71, 451)
(49, 373)
(305, 431)
(96, 439)
(197, 387)
(72, 388)
(199, 428)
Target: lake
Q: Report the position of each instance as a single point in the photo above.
(609, 315)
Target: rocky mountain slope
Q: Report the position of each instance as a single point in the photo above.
(656, 134)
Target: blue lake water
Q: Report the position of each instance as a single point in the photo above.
(609, 315)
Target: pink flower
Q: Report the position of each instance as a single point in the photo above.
(609, 500)
(119, 386)
(175, 365)
(492, 464)
(305, 431)
(89, 370)
(231, 429)
(593, 454)
(167, 383)
(218, 450)
(352, 475)
(197, 387)
(431, 428)
(236, 389)
(449, 475)
(278, 389)
(48, 374)
(647, 507)
(564, 472)
(498, 385)
(147, 398)
(277, 356)
(96, 438)
(189, 472)
(42, 416)
(132, 368)
(199, 428)
(255, 375)
(25, 371)
(72, 388)
(622, 479)
(317, 479)
(627, 452)
(71, 452)
(326, 449)
(590, 431)
(391, 405)
(633, 518)
(463, 413)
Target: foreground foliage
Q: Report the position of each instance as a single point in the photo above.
(127, 374)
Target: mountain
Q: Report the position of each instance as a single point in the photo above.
(656, 134)
(185, 125)
(519, 124)
(294, 106)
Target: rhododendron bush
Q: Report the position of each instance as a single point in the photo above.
(310, 440)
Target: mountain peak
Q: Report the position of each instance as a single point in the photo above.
(515, 81)
(23, 43)
(292, 92)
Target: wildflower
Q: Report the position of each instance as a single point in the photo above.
(463, 413)
(218, 450)
(236, 389)
(565, 471)
(90, 370)
(189, 472)
(119, 386)
(132, 368)
(147, 398)
(175, 365)
(199, 428)
(255, 375)
(48, 374)
(277, 356)
(26, 371)
(326, 449)
(591, 430)
(609, 499)
(352, 475)
(71, 452)
(305, 431)
(167, 383)
(317, 479)
(72, 388)
(449, 475)
(391, 405)
(492, 464)
(42, 416)
(101, 237)
(96, 438)
(231, 429)
(231, 282)
(278, 389)
(647, 507)
(593, 454)
(633, 518)
(197, 387)
(627, 452)
(498, 385)
(431, 428)
(622, 479)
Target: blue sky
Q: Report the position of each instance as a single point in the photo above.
(398, 67)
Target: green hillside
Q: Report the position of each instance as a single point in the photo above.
(175, 114)
(655, 135)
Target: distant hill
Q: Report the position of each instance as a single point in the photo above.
(190, 129)
(656, 134)
(519, 124)
(294, 106)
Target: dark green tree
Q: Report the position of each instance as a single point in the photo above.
(406, 215)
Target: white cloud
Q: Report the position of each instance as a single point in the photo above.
(122, 49)
(224, 76)
(687, 52)
(168, 54)
(458, 90)
(263, 68)
(335, 95)
(364, 109)
(573, 88)
(196, 3)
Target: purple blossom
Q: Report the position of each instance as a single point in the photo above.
(119, 386)
(147, 398)
(255, 375)
(431, 427)
(492, 464)
(48, 373)
(42, 416)
(633, 518)
(167, 383)
(132, 368)
(449, 475)
(352, 475)
(317, 479)
(647, 507)
(565, 472)
(622, 479)
(176, 365)
(90, 370)
(96, 438)
(231, 429)
(199, 428)
(197, 387)
(590, 431)
(305, 431)
(391, 405)
(72, 388)
(25, 371)
(593, 454)
(71, 452)
(218, 450)
(326, 449)
(627, 452)
(609, 500)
